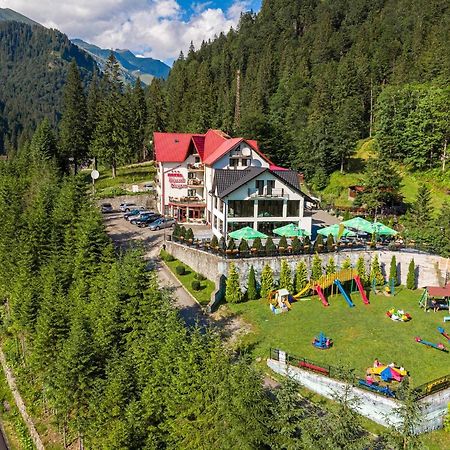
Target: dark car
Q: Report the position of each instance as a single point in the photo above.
(162, 223)
(106, 208)
(148, 220)
(134, 213)
(144, 217)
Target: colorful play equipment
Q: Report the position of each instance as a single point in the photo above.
(387, 373)
(280, 301)
(398, 315)
(442, 331)
(376, 388)
(335, 279)
(438, 346)
(322, 342)
(446, 319)
(435, 296)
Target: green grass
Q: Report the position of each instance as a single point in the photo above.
(361, 334)
(203, 296)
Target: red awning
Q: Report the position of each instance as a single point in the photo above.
(436, 291)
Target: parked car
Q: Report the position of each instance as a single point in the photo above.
(144, 217)
(126, 207)
(135, 213)
(106, 208)
(162, 223)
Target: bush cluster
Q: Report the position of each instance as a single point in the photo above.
(181, 270)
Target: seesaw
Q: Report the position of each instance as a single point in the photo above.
(446, 335)
(438, 346)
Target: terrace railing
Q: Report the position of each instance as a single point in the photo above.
(437, 385)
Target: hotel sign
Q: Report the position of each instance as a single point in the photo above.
(177, 180)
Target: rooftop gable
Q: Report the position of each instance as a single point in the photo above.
(213, 140)
(171, 147)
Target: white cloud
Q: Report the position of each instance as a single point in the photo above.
(156, 28)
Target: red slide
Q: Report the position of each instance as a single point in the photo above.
(321, 296)
(361, 290)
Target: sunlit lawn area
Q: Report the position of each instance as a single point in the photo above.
(361, 334)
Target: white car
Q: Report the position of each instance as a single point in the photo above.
(126, 207)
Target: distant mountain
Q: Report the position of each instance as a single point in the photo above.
(7, 14)
(33, 68)
(132, 66)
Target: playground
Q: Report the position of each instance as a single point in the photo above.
(360, 333)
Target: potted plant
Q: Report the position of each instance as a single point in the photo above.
(296, 245)
(282, 245)
(243, 247)
(270, 246)
(231, 246)
(189, 237)
(306, 244)
(214, 244)
(182, 233)
(256, 246)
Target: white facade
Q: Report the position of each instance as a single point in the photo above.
(185, 192)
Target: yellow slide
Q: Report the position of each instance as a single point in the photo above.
(303, 291)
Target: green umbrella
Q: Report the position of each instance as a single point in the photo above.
(290, 230)
(382, 230)
(247, 233)
(334, 231)
(359, 224)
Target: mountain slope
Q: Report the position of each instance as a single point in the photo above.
(7, 14)
(132, 66)
(33, 69)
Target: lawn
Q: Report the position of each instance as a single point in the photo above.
(361, 334)
(203, 296)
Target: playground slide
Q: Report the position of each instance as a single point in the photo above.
(321, 296)
(361, 290)
(345, 295)
(303, 291)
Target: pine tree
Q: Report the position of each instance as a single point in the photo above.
(231, 244)
(92, 107)
(270, 246)
(73, 127)
(283, 242)
(361, 269)
(43, 144)
(137, 120)
(252, 292)
(296, 245)
(393, 271)
(286, 277)
(330, 268)
(301, 276)
(422, 209)
(318, 244)
(347, 264)
(411, 277)
(375, 272)
(243, 246)
(257, 244)
(316, 267)
(156, 108)
(233, 292)
(330, 243)
(266, 282)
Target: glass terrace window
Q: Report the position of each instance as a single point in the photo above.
(270, 208)
(240, 208)
(259, 184)
(293, 208)
(233, 162)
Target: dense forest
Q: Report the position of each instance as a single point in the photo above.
(33, 67)
(316, 76)
(102, 356)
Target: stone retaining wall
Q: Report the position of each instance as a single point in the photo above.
(380, 409)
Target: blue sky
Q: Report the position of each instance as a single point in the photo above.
(156, 28)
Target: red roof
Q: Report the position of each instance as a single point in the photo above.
(213, 139)
(199, 143)
(221, 150)
(171, 147)
(274, 167)
(436, 291)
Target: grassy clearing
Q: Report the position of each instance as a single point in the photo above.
(203, 296)
(361, 334)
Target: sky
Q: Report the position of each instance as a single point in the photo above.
(156, 28)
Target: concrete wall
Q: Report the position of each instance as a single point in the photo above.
(380, 409)
(430, 269)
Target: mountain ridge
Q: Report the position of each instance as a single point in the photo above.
(8, 14)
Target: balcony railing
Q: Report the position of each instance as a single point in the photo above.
(195, 182)
(186, 200)
(196, 167)
(267, 193)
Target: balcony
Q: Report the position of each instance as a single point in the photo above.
(267, 193)
(195, 182)
(196, 167)
(187, 201)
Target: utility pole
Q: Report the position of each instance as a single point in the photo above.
(237, 108)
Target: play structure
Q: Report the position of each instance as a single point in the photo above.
(388, 289)
(435, 297)
(376, 388)
(386, 373)
(398, 315)
(322, 342)
(438, 346)
(280, 301)
(332, 280)
(442, 331)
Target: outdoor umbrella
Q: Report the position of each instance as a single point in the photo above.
(383, 230)
(290, 230)
(247, 233)
(358, 224)
(334, 231)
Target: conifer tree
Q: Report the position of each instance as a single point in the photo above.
(270, 246)
(422, 209)
(252, 292)
(233, 292)
(347, 264)
(330, 243)
(316, 267)
(243, 246)
(318, 244)
(361, 269)
(283, 242)
(411, 277)
(156, 107)
(231, 244)
(266, 281)
(43, 144)
(286, 277)
(331, 266)
(296, 245)
(137, 110)
(257, 244)
(93, 101)
(301, 276)
(375, 272)
(393, 271)
(73, 127)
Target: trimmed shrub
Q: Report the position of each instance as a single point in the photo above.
(243, 246)
(257, 244)
(331, 266)
(301, 276)
(330, 243)
(361, 269)
(200, 277)
(411, 278)
(222, 243)
(375, 272)
(181, 270)
(266, 282)
(296, 245)
(214, 242)
(318, 244)
(182, 232)
(196, 285)
(393, 275)
(252, 291)
(286, 277)
(189, 234)
(169, 258)
(231, 244)
(270, 246)
(316, 268)
(233, 292)
(283, 242)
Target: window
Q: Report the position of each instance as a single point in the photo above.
(191, 193)
(197, 159)
(191, 175)
(270, 186)
(270, 208)
(293, 208)
(245, 162)
(259, 184)
(240, 208)
(233, 162)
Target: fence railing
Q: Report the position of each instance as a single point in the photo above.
(337, 373)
